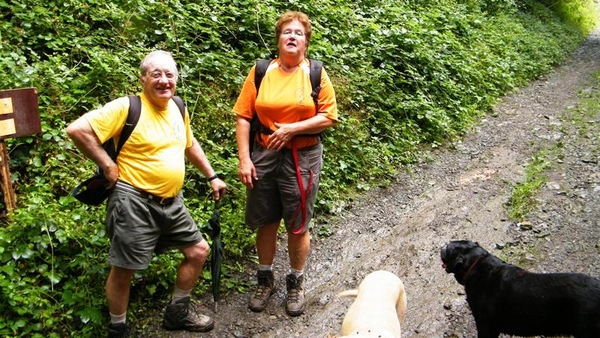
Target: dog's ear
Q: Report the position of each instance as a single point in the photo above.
(458, 268)
(456, 265)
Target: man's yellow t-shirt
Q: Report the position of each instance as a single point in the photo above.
(153, 158)
(285, 98)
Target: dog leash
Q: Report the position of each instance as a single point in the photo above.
(303, 192)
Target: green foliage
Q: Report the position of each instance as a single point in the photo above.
(582, 14)
(407, 75)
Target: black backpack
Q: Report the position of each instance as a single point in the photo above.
(261, 68)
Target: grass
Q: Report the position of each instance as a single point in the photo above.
(522, 199)
(582, 118)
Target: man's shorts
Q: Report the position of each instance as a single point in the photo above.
(137, 226)
(276, 193)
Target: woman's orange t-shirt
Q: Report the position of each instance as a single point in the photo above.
(285, 98)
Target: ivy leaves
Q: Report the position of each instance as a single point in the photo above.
(406, 74)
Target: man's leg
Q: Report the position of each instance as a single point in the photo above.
(190, 268)
(180, 314)
(117, 289)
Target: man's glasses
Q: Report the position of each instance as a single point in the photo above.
(157, 75)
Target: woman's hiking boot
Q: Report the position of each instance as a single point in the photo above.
(294, 304)
(264, 289)
(183, 316)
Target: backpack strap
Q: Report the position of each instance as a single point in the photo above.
(133, 116)
(315, 76)
(260, 71)
(315, 80)
(179, 101)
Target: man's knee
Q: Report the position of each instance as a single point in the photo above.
(197, 252)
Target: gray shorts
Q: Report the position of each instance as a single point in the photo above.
(276, 193)
(137, 227)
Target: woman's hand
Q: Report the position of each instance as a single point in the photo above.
(247, 173)
(281, 136)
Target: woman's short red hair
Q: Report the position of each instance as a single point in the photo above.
(291, 16)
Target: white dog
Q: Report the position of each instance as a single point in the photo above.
(379, 308)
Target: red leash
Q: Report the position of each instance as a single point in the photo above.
(303, 193)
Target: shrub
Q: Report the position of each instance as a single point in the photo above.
(407, 74)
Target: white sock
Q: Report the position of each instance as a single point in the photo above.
(297, 273)
(117, 319)
(180, 294)
(265, 267)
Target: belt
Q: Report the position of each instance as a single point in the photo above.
(146, 195)
(284, 149)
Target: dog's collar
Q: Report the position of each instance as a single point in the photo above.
(466, 274)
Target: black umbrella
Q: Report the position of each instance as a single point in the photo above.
(216, 252)
(92, 191)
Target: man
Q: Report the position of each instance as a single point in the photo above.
(145, 211)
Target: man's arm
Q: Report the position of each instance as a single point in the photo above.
(87, 142)
(198, 158)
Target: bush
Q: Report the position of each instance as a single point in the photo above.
(407, 74)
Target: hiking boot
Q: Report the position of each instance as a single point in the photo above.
(264, 289)
(118, 330)
(294, 304)
(183, 316)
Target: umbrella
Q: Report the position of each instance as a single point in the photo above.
(216, 252)
(92, 191)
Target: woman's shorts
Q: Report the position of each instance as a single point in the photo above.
(276, 194)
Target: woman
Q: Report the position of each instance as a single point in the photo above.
(282, 173)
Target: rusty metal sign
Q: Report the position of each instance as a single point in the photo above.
(19, 113)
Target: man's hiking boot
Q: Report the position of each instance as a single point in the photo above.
(118, 330)
(294, 305)
(183, 316)
(264, 289)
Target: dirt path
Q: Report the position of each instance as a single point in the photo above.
(460, 194)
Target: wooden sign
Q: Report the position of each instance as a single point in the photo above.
(19, 113)
(19, 116)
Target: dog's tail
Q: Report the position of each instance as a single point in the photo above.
(348, 293)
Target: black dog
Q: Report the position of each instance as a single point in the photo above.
(507, 299)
